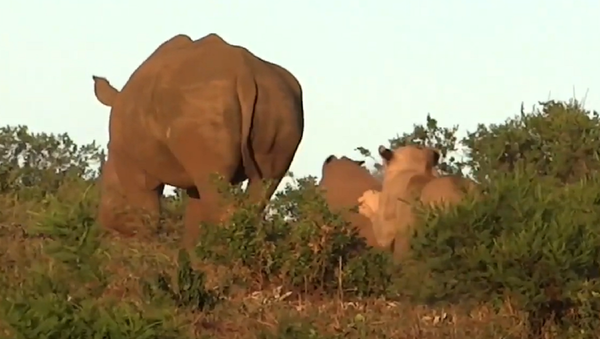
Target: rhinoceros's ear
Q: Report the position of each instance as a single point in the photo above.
(105, 92)
(329, 158)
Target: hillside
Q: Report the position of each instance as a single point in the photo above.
(522, 262)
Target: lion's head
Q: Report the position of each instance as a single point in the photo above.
(414, 158)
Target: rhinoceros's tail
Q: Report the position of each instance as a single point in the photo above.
(248, 94)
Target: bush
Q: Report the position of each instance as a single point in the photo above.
(188, 290)
(561, 140)
(302, 245)
(65, 298)
(45, 312)
(532, 238)
(36, 164)
(530, 241)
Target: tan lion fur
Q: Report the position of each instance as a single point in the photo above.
(408, 176)
(191, 109)
(344, 180)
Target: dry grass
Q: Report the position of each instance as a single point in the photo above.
(247, 312)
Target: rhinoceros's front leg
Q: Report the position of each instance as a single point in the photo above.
(129, 200)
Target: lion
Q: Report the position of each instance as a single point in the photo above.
(408, 177)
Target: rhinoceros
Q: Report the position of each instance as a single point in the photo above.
(344, 180)
(191, 109)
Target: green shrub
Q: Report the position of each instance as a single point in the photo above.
(44, 310)
(302, 244)
(36, 164)
(188, 290)
(72, 238)
(525, 239)
(532, 239)
(561, 140)
(62, 298)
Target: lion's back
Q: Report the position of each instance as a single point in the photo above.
(449, 189)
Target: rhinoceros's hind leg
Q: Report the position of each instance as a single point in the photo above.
(260, 191)
(201, 157)
(194, 215)
(204, 204)
(273, 166)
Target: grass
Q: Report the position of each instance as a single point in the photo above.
(242, 310)
(73, 282)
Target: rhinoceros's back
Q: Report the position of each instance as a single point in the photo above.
(344, 185)
(196, 86)
(159, 92)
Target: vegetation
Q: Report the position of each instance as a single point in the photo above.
(520, 262)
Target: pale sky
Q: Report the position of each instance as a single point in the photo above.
(369, 69)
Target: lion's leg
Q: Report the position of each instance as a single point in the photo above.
(385, 220)
(368, 204)
(130, 199)
(403, 235)
(384, 231)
